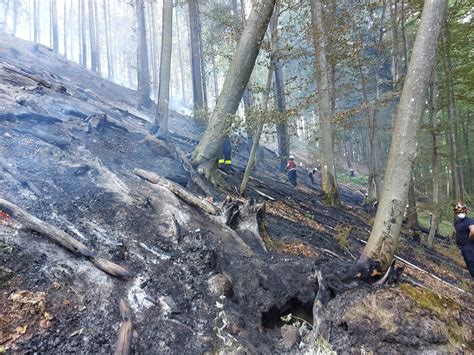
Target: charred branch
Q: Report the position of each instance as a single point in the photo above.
(179, 191)
(32, 223)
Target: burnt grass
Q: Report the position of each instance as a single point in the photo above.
(88, 190)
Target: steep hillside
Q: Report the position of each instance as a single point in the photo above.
(201, 269)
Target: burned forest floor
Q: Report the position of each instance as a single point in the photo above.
(72, 146)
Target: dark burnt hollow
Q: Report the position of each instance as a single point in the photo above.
(272, 318)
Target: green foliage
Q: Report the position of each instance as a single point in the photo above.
(344, 177)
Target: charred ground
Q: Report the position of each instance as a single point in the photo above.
(67, 166)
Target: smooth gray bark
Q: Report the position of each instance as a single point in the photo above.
(281, 127)
(383, 239)
(434, 159)
(194, 28)
(93, 39)
(328, 172)
(82, 17)
(54, 25)
(238, 75)
(110, 66)
(143, 71)
(162, 109)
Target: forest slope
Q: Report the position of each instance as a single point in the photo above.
(67, 164)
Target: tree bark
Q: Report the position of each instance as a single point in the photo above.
(395, 47)
(266, 94)
(110, 66)
(329, 184)
(83, 33)
(93, 40)
(281, 127)
(198, 94)
(65, 27)
(434, 159)
(412, 215)
(238, 75)
(143, 77)
(162, 109)
(36, 27)
(452, 117)
(54, 25)
(97, 36)
(180, 58)
(383, 239)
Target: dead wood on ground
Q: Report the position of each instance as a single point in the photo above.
(178, 190)
(30, 222)
(99, 122)
(124, 342)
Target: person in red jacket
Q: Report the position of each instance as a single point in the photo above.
(291, 169)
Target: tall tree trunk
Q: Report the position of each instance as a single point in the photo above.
(97, 36)
(434, 159)
(405, 41)
(36, 27)
(281, 127)
(65, 30)
(329, 184)
(196, 61)
(92, 37)
(452, 118)
(161, 117)
(110, 67)
(383, 239)
(266, 94)
(412, 215)
(16, 5)
(143, 88)
(238, 75)
(156, 47)
(203, 63)
(54, 25)
(395, 47)
(180, 59)
(83, 32)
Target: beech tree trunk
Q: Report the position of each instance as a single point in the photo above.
(266, 94)
(198, 93)
(36, 27)
(395, 47)
(383, 239)
(412, 215)
(65, 30)
(97, 36)
(281, 127)
(162, 109)
(180, 58)
(54, 25)
(452, 117)
(83, 33)
(92, 38)
(238, 75)
(329, 184)
(110, 66)
(434, 159)
(143, 71)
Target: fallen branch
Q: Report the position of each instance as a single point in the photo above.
(124, 342)
(178, 190)
(264, 195)
(30, 222)
(48, 138)
(20, 178)
(196, 178)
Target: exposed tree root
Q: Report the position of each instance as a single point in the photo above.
(30, 222)
(196, 178)
(20, 178)
(124, 342)
(179, 191)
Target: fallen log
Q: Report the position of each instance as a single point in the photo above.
(30, 222)
(195, 177)
(124, 342)
(48, 138)
(20, 178)
(179, 191)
